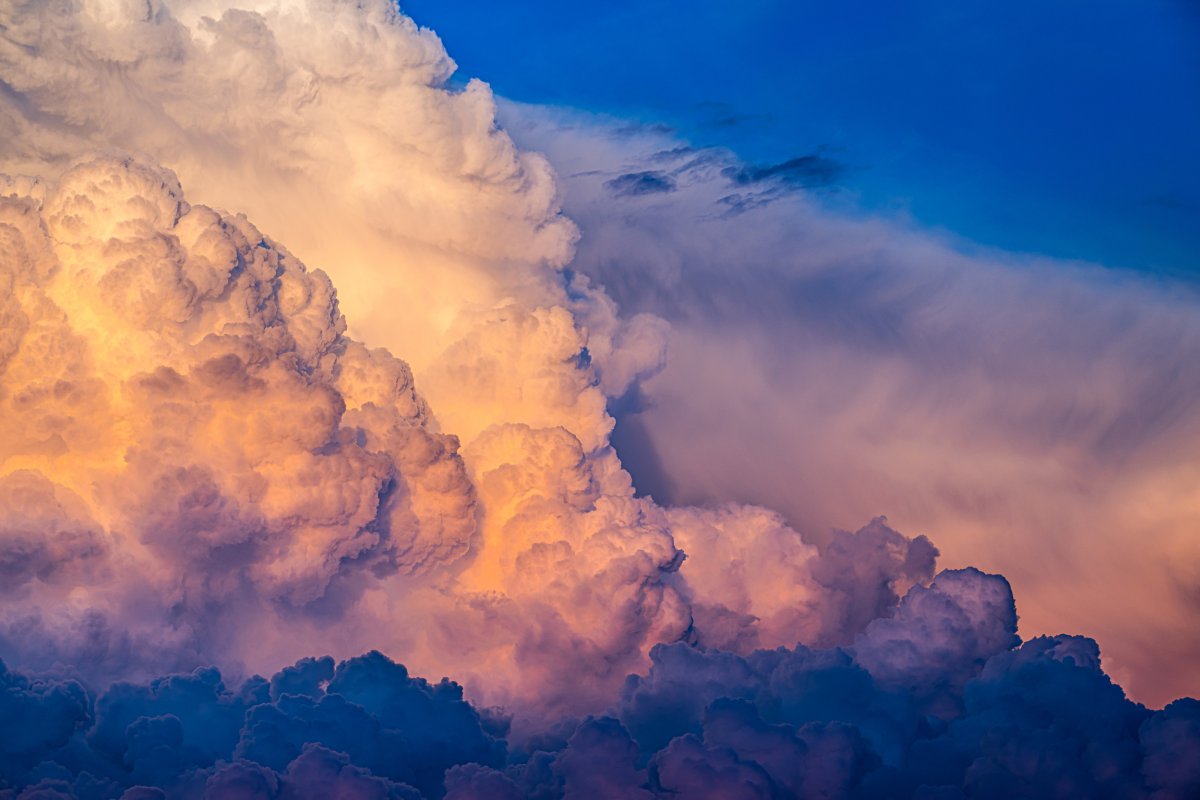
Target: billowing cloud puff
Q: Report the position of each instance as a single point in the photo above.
(184, 406)
(281, 86)
(572, 571)
(756, 582)
(332, 126)
(940, 635)
(191, 410)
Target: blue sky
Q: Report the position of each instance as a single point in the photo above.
(1069, 129)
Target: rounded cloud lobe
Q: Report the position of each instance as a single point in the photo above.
(192, 413)
(185, 407)
(202, 465)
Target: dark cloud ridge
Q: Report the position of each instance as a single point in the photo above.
(638, 183)
(808, 171)
(938, 700)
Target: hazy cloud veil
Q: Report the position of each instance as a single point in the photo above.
(1034, 415)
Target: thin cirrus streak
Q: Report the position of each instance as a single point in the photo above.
(205, 463)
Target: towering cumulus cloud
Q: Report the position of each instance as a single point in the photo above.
(186, 407)
(280, 486)
(182, 406)
(206, 474)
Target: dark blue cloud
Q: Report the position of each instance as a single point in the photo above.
(1170, 743)
(37, 717)
(316, 774)
(812, 171)
(936, 699)
(638, 183)
(361, 729)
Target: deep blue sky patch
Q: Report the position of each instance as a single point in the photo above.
(1071, 128)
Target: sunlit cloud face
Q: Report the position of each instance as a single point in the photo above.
(192, 411)
(282, 486)
(185, 407)
(207, 466)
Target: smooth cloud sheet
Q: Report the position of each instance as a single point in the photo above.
(187, 408)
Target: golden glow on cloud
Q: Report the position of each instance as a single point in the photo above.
(185, 403)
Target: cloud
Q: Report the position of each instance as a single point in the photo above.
(477, 782)
(370, 731)
(185, 404)
(405, 191)
(42, 716)
(844, 721)
(1033, 719)
(275, 479)
(1029, 415)
(755, 582)
(45, 538)
(811, 171)
(940, 635)
(638, 183)
(204, 421)
(686, 768)
(1170, 743)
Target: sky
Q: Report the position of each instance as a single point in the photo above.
(375, 427)
(1067, 131)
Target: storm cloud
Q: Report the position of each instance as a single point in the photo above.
(214, 463)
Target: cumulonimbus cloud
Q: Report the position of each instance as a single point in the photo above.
(204, 462)
(210, 426)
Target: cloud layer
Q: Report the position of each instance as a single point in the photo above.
(936, 702)
(1033, 415)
